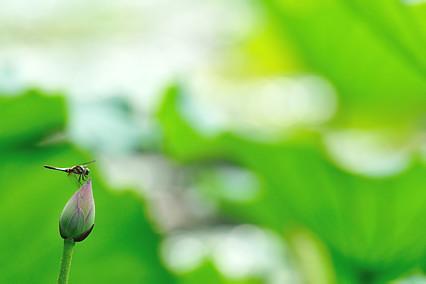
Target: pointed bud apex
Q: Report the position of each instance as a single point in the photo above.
(78, 216)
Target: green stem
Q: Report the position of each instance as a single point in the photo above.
(66, 261)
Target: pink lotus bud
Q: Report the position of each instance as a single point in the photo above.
(78, 216)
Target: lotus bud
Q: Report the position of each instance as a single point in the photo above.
(78, 216)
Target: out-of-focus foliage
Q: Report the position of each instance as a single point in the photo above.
(371, 51)
(20, 118)
(373, 227)
(207, 273)
(122, 247)
(255, 164)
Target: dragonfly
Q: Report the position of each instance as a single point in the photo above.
(81, 170)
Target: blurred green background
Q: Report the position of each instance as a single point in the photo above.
(237, 142)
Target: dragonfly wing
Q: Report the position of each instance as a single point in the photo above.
(86, 163)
